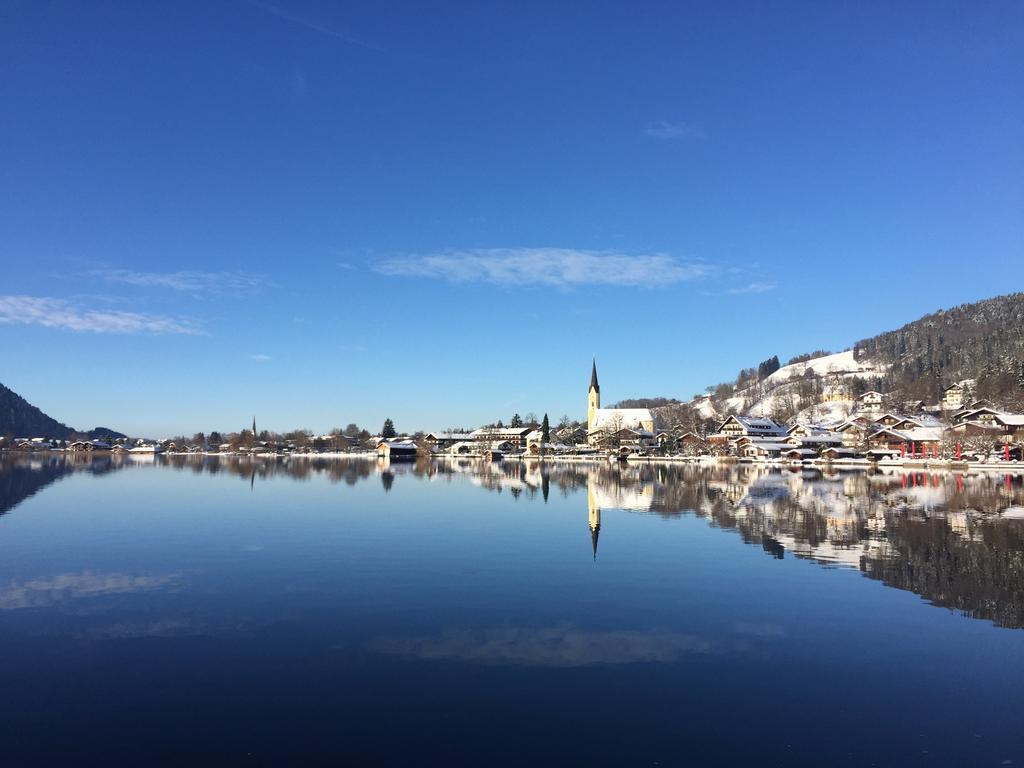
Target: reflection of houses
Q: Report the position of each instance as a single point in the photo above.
(616, 426)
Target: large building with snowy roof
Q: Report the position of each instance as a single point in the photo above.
(627, 425)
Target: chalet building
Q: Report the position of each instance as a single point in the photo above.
(606, 425)
(834, 453)
(888, 440)
(853, 432)
(976, 415)
(1002, 427)
(953, 397)
(834, 393)
(736, 427)
(396, 450)
(905, 423)
(913, 406)
(799, 454)
(89, 445)
(814, 442)
(805, 430)
(747, 448)
(516, 436)
(888, 419)
(871, 401)
(445, 440)
(572, 434)
(692, 440)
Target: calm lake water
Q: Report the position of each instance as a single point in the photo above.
(341, 612)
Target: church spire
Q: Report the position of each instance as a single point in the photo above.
(595, 531)
(593, 377)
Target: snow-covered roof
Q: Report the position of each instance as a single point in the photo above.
(757, 426)
(826, 438)
(812, 428)
(926, 434)
(766, 445)
(1011, 419)
(500, 431)
(621, 418)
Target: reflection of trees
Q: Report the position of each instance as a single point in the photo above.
(937, 535)
(980, 574)
(24, 476)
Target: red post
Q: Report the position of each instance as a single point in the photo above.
(1007, 456)
(958, 451)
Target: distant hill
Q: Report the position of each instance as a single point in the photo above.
(983, 342)
(104, 433)
(979, 345)
(20, 418)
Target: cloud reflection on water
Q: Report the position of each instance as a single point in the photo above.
(554, 646)
(48, 591)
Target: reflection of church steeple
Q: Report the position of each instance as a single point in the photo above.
(594, 516)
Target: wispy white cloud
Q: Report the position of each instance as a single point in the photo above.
(756, 287)
(60, 313)
(666, 130)
(259, 357)
(554, 267)
(187, 281)
(302, 21)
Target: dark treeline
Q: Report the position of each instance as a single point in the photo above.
(982, 341)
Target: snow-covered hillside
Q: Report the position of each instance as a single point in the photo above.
(788, 390)
(841, 363)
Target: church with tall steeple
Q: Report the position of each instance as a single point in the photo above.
(628, 425)
(593, 396)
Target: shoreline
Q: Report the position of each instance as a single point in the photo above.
(938, 465)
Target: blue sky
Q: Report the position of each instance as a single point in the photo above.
(322, 213)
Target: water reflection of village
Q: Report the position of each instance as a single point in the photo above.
(955, 539)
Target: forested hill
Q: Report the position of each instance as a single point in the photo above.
(983, 341)
(22, 419)
(979, 345)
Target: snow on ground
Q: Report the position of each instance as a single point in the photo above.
(777, 393)
(827, 413)
(841, 362)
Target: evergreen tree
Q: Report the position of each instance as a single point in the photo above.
(545, 431)
(517, 421)
(388, 430)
